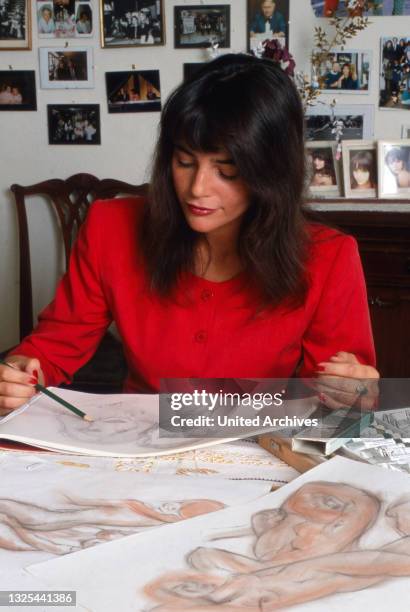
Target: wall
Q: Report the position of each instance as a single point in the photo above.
(127, 140)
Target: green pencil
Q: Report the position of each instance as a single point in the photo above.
(55, 397)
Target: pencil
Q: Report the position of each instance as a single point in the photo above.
(55, 397)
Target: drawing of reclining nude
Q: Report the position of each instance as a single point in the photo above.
(30, 527)
(303, 551)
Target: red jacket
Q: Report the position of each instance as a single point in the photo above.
(208, 329)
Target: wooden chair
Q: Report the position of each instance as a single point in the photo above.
(70, 201)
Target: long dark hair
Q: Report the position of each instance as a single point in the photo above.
(251, 108)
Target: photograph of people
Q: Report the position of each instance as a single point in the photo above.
(360, 169)
(46, 23)
(214, 308)
(363, 170)
(267, 19)
(344, 71)
(17, 90)
(84, 19)
(322, 167)
(397, 162)
(395, 73)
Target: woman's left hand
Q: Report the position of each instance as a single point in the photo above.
(343, 381)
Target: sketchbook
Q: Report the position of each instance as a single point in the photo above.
(124, 425)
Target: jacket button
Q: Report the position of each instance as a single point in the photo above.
(207, 294)
(201, 336)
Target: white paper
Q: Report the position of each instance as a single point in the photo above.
(357, 514)
(47, 509)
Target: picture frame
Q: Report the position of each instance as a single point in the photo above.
(405, 130)
(358, 120)
(377, 8)
(74, 124)
(324, 174)
(344, 71)
(190, 69)
(267, 20)
(133, 91)
(121, 27)
(360, 168)
(15, 25)
(66, 68)
(18, 90)
(64, 19)
(394, 169)
(201, 26)
(394, 81)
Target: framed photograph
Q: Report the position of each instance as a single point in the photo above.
(358, 121)
(405, 131)
(344, 72)
(66, 68)
(74, 124)
(360, 168)
(190, 68)
(267, 20)
(15, 25)
(132, 24)
(394, 87)
(394, 168)
(133, 92)
(323, 169)
(18, 90)
(64, 18)
(365, 8)
(201, 26)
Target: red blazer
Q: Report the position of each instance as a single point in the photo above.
(207, 329)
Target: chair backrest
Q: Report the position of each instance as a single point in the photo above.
(71, 199)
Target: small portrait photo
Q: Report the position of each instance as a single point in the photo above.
(66, 68)
(323, 169)
(343, 72)
(360, 168)
(267, 20)
(201, 26)
(395, 73)
(64, 18)
(394, 168)
(74, 124)
(15, 31)
(132, 23)
(190, 69)
(18, 90)
(83, 19)
(357, 121)
(133, 92)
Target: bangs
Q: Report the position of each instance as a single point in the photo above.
(203, 131)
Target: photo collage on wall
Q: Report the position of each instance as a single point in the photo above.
(64, 18)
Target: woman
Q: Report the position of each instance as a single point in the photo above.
(219, 273)
(396, 160)
(348, 79)
(363, 170)
(323, 171)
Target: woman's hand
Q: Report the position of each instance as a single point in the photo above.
(17, 381)
(343, 381)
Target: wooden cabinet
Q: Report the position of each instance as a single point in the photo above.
(384, 243)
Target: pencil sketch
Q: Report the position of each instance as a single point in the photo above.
(305, 550)
(83, 522)
(116, 424)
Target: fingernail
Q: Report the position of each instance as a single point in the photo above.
(322, 397)
(33, 381)
(320, 368)
(35, 374)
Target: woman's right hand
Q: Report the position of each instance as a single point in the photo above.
(17, 383)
